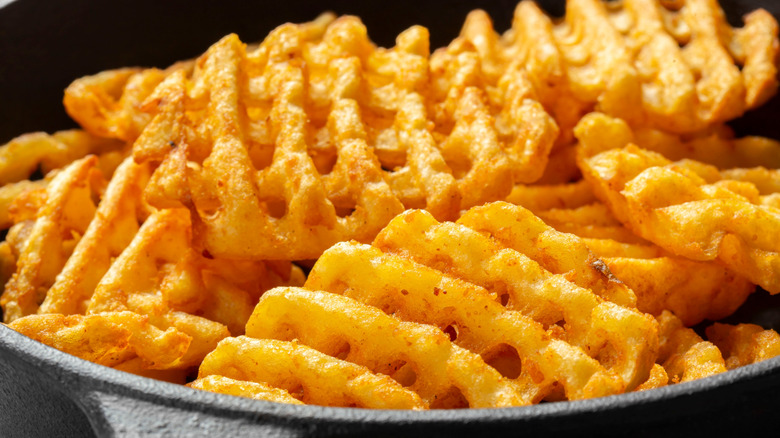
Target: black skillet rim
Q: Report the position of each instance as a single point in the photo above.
(90, 377)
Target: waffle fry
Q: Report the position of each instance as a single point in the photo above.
(744, 344)
(418, 356)
(546, 197)
(61, 220)
(108, 104)
(471, 312)
(107, 339)
(692, 290)
(717, 146)
(313, 377)
(9, 193)
(22, 156)
(694, 218)
(677, 69)
(558, 253)
(257, 391)
(115, 222)
(354, 126)
(477, 331)
(685, 355)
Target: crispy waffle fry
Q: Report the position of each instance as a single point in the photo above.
(108, 104)
(310, 376)
(9, 192)
(693, 290)
(558, 253)
(352, 123)
(115, 222)
(658, 378)
(418, 356)
(716, 147)
(108, 338)
(684, 355)
(22, 156)
(474, 332)
(160, 274)
(545, 197)
(693, 219)
(418, 237)
(154, 276)
(680, 69)
(744, 344)
(58, 226)
(257, 391)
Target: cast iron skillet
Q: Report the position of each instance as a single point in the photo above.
(43, 392)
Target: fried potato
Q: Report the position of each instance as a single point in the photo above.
(679, 211)
(416, 236)
(369, 132)
(107, 338)
(545, 197)
(22, 156)
(744, 344)
(658, 378)
(240, 388)
(559, 253)
(9, 192)
(717, 146)
(108, 104)
(115, 223)
(418, 356)
(684, 355)
(680, 69)
(308, 375)
(692, 290)
(160, 274)
(479, 322)
(61, 221)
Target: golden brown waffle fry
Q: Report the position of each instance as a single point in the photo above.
(502, 271)
(680, 69)
(108, 104)
(241, 388)
(684, 355)
(22, 156)
(9, 192)
(155, 276)
(476, 259)
(60, 222)
(108, 338)
(160, 275)
(716, 147)
(559, 253)
(545, 197)
(744, 344)
(115, 222)
(678, 210)
(693, 290)
(473, 314)
(418, 356)
(351, 121)
(308, 375)
(658, 378)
